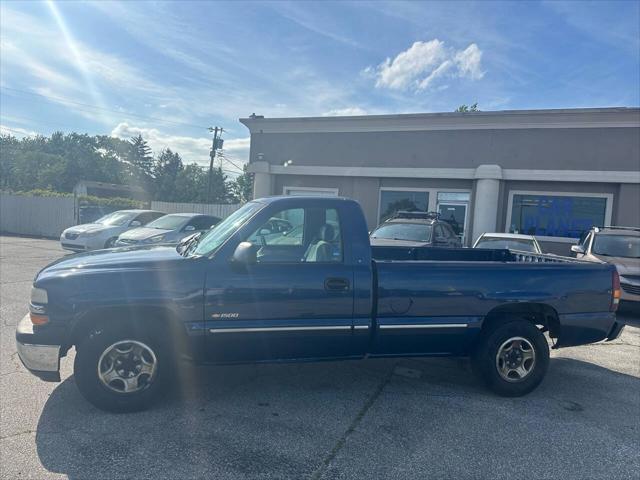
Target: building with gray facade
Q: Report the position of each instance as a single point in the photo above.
(551, 173)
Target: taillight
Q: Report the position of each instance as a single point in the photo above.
(38, 319)
(615, 291)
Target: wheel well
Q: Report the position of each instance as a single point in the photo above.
(161, 322)
(537, 313)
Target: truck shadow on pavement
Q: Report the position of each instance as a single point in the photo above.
(293, 420)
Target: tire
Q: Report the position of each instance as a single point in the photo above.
(104, 382)
(512, 358)
(111, 242)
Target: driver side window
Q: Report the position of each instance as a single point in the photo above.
(299, 235)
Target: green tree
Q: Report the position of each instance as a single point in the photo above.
(467, 108)
(167, 167)
(141, 162)
(242, 187)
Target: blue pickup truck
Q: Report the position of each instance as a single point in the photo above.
(313, 289)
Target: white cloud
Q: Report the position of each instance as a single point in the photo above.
(16, 131)
(191, 149)
(348, 111)
(423, 63)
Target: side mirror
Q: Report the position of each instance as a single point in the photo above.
(189, 228)
(245, 254)
(577, 249)
(136, 223)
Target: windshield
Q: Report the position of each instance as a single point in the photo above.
(168, 222)
(511, 243)
(115, 218)
(212, 240)
(404, 231)
(626, 246)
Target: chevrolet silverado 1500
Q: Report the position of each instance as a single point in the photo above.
(313, 290)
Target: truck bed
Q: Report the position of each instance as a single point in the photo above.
(382, 253)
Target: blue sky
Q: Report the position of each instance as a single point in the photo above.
(169, 70)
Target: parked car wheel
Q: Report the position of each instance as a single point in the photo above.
(111, 242)
(119, 371)
(512, 359)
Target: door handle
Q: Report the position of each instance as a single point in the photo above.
(337, 284)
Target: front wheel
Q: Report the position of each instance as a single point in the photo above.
(120, 372)
(512, 359)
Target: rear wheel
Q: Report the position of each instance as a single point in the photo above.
(512, 359)
(119, 371)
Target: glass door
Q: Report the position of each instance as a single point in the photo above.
(456, 214)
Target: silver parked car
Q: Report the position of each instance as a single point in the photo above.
(170, 229)
(104, 232)
(619, 246)
(513, 241)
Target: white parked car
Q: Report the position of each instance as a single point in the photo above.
(104, 232)
(512, 241)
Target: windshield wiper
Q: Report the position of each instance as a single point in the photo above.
(183, 247)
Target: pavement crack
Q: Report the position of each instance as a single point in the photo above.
(17, 434)
(353, 425)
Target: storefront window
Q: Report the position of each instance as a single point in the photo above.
(556, 216)
(392, 201)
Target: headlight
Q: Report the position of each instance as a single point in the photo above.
(91, 233)
(39, 295)
(156, 239)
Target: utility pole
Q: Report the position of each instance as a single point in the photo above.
(214, 147)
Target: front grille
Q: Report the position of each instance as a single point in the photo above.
(127, 241)
(71, 236)
(632, 289)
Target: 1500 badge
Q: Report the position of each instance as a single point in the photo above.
(225, 315)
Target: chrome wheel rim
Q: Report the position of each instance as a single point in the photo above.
(127, 366)
(515, 359)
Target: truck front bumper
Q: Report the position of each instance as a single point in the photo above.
(41, 360)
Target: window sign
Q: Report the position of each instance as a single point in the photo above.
(392, 201)
(556, 216)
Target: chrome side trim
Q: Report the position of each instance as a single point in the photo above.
(278, 329)
(423, 325)
(361, 327)
(41, 358)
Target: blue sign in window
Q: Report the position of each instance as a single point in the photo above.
(556, 216)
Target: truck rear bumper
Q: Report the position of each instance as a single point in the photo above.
(584, 328)
(41, 360)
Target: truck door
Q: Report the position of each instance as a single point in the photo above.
(296, 301)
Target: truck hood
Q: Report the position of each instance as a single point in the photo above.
(117, 259)
(143, 233)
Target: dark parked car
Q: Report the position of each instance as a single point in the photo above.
(170, 229)
(233, 296)
(415, 229)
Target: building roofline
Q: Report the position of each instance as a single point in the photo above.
(505, 119)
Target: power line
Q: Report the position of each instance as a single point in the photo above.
(223, 155)
(71, 102)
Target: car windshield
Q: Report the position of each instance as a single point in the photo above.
(626, 246)
(168, 222)
(116, 219)
(213, 239)
(404, 231)
(511, 243)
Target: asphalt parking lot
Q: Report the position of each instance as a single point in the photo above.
(416, 418)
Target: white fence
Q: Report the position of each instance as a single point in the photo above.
(217, 210)
(38, 216)
(49, 216)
